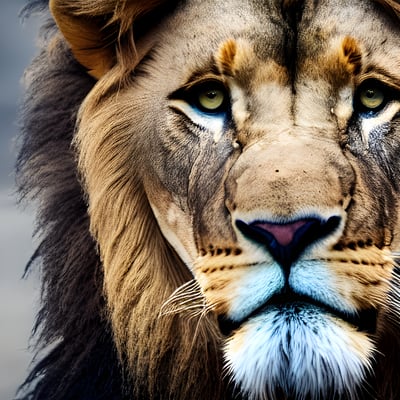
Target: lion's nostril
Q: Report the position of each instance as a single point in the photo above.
(286, 241)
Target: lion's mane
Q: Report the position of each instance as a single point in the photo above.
(75, 325)
(75, 340)
(73, 329)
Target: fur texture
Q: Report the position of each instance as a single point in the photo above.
(145, 201)
(81, 361)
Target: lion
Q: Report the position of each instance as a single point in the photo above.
(217, 186)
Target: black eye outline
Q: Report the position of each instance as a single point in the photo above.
(193, 96)
(370, 88)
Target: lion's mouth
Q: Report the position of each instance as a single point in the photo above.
(293, 303)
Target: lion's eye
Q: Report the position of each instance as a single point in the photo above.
(210, 97)
(205, 103)
(372, 96)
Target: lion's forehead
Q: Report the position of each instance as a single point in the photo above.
(276, 34)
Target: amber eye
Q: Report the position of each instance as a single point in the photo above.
(211, 97)
(372, 96)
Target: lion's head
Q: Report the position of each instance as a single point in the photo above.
(239, 162)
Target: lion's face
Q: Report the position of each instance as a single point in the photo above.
(272, 177)
(264, 136)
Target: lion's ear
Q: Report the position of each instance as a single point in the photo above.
(100, 33)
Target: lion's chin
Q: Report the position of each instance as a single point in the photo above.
(298, 351)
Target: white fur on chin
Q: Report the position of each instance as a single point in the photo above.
(298, 350)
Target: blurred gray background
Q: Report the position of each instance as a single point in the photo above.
(18, 297)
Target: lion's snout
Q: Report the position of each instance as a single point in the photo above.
(280, 179)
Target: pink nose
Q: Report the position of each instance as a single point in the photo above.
(284, 233)
(287, 241)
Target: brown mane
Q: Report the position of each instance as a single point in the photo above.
(392, 6)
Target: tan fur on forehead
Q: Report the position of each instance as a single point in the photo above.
(351, 56)
(339, 64)
(226, 57)
(237, 59)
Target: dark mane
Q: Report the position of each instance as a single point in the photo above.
(80, 361)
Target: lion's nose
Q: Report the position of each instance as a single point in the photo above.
(287, 241)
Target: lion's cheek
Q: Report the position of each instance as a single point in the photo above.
(175, 224)
(304, 350)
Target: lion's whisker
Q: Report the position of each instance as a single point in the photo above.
(186, 298)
